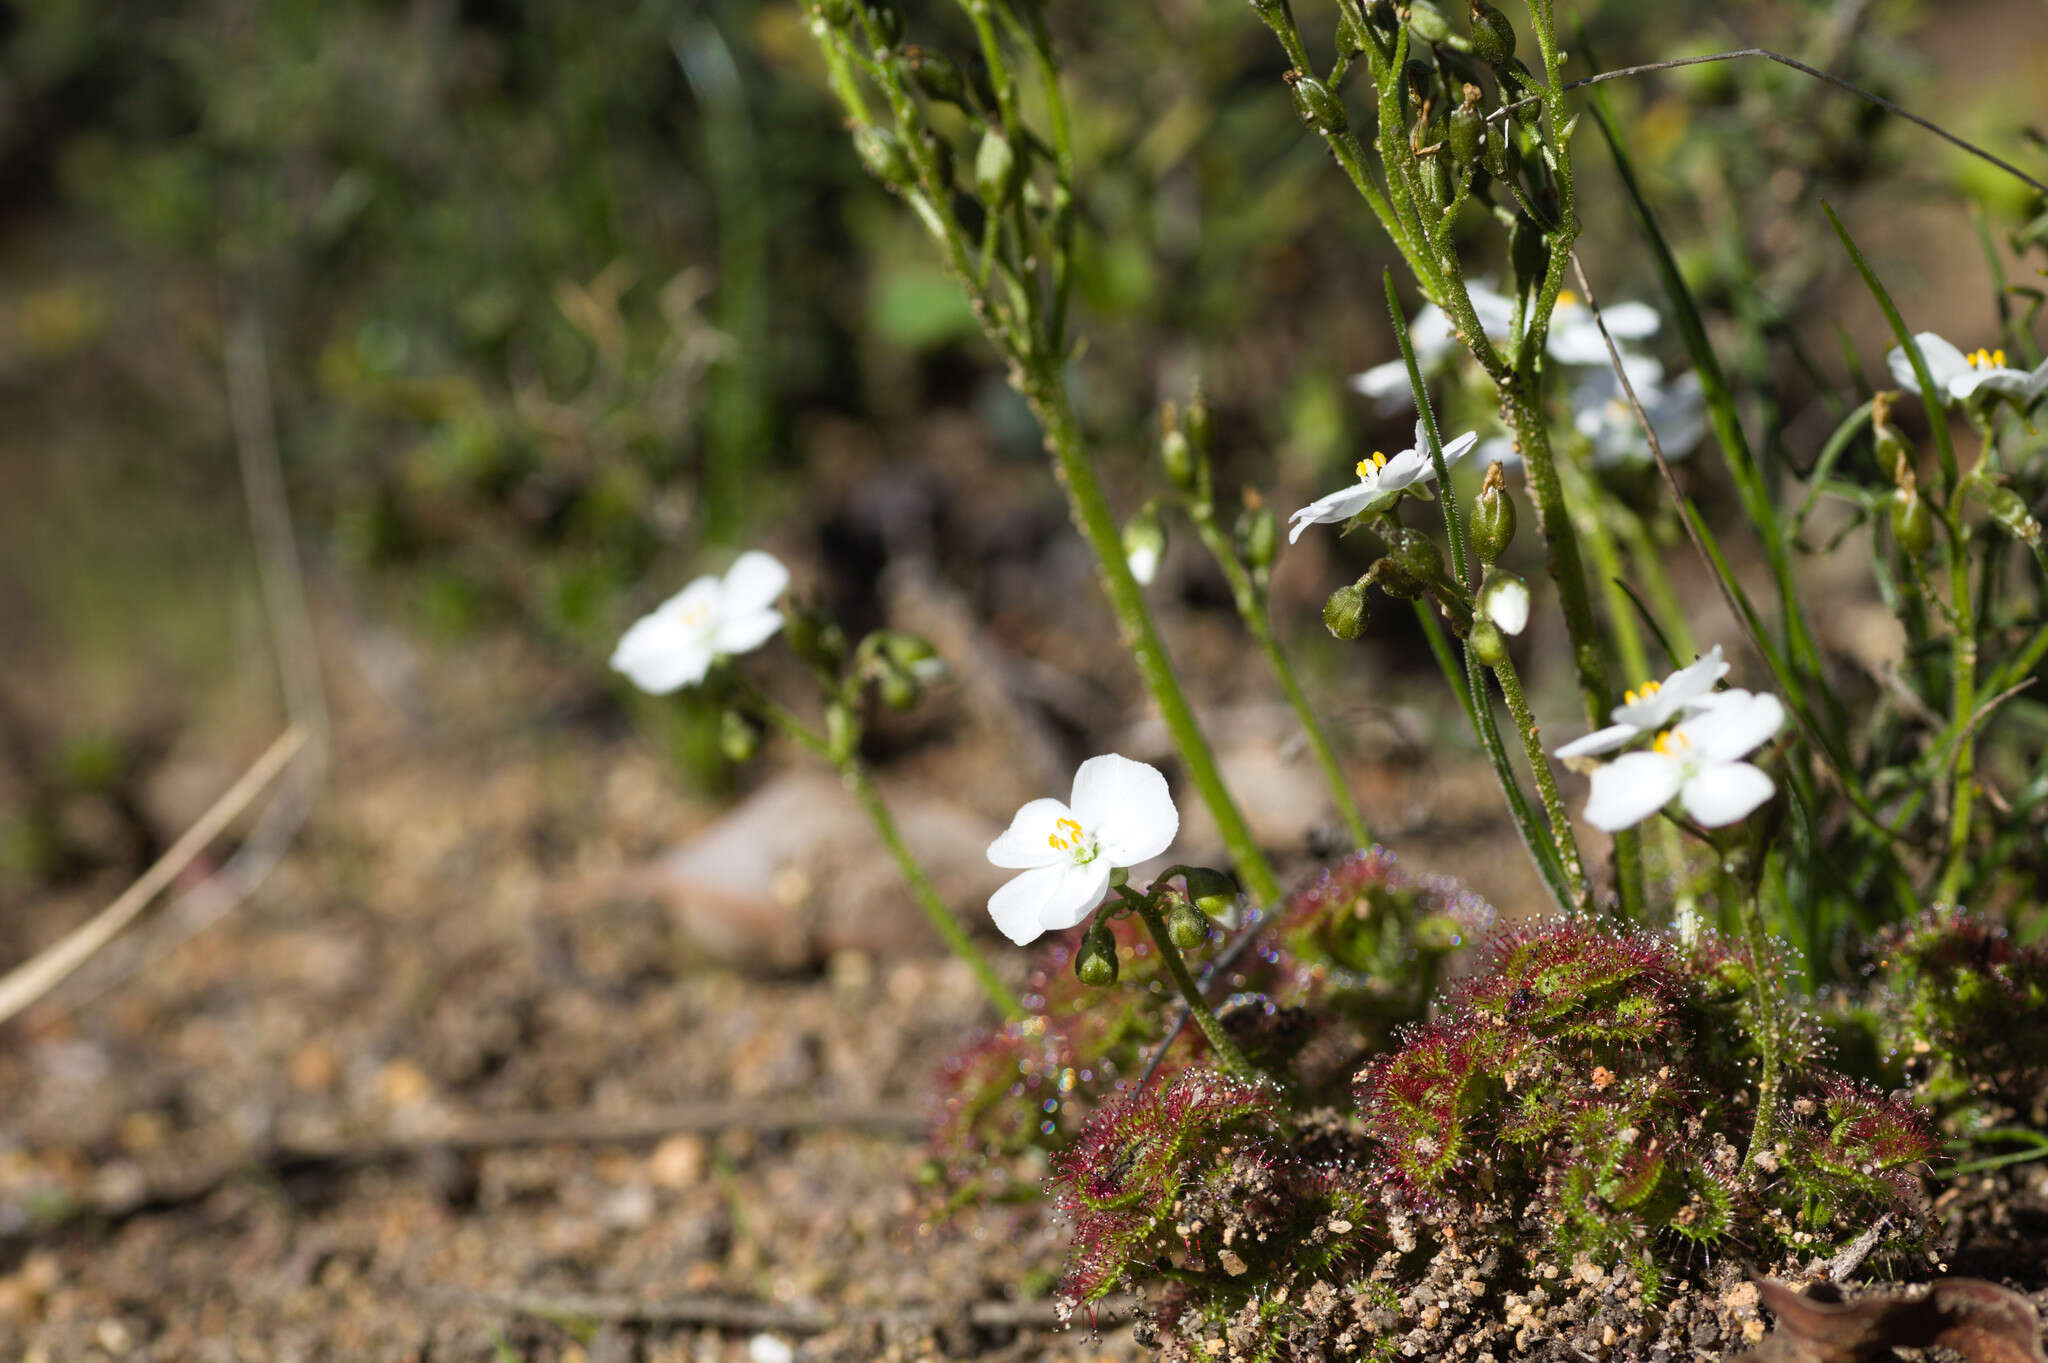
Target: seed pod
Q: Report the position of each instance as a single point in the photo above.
(1095, 964)
(1258, 536)
(1177, 454)
(1493, 37)
(2009, 509)
(1468, 129)
(883, 155)
(997, 171)
(1318, 108)
(1417, 555)
(1185, 925)
(738, 739)
(1213, 892)
(1345, 613)
(937, 75)
(1391, 578)
(1488, 645)
(1493, 519)
(1912, 522)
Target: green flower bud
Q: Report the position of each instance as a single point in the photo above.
(838, 13)
(1258, 536)
(1493, 37)
(1432, 25)
(1177, 453)
(899, 690)
(997, 171)
(887, 21)
(1417, 555)
(1213, 892)
(1437, 934)
(1144, 544)
(842, 732)
(883, 155)
(815, 638)
(1185, 925)
(1493, 519)
(1095, 963)
(1912, 522)
(738, 739)
(1345, 613)
(936, 74)
(1318, 108)
(1201, 431)
(914, 654)
(1488, 644)
(1391, 578)
(2009, 509)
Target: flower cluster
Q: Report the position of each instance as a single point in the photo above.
(1698, 761)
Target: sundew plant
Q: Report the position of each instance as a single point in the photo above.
(1786, 954)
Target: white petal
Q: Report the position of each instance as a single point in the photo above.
(1944, 362)
(1599, 741)
(1678, 691)
(1403, 470)
(754, 581)
(1733, 728)
(1460, 447)
(1022, 904)
(1386, 384)
(1079, 890)
(1630, 789)
(746, 631)
(1495, 309)
(671, 646)
(1127, 807)
(1432, 335)
(1998, 379)
(1144, 563)
(1723, 792)
(1507, 605)
(1338, 506)
(1631, 321)
(1025, 842)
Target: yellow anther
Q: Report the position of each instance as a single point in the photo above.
(1628, 697)
(1566, 298)
(1067, 843)
(1988, 359)
(1669, 742)
(1367, 467)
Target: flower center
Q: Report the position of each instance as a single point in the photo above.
(1670, 743)
(1988, 359)
(1648, 689)
(1368, 467)
(1070, 837)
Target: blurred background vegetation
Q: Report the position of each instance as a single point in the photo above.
(563, 299)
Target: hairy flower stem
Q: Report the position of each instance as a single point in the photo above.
(1962, 705)
(1251, 608)
(1048, 398)
(854, 773)
(1226, 1050)
(1763, 982)
(1546, 781)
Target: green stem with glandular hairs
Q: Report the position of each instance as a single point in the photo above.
(1226, 1050)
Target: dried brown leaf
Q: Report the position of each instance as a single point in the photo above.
(1983, 1322)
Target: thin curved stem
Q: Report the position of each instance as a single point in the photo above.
(1219, 1040)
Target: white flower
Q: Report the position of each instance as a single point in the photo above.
(1677, 412)
(1378, 477)
(1120, 814)
(1505, 599)
(1435, 339)
(1575, 337)
(1699, 762)
(674, 645)
(1957, 376)
(1653, 705)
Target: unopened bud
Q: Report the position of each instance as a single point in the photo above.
(1493, 37)
(1493, 519)
(1213, 892)
(1417, 555)
(1431, 24)
(1344, 614)
(883, 155)
(887, 21)
(1177, 454)
(899, 690)
(1185, 925)
(1912, 522)
(1258, 535)
(1318, 108)
(1487, 643)
(1468, 128)
(997, 171)
(1144, 544)
(1095, 963)
(1504, 600)
(738, 739)
(815, 638)
(1201, 430)
(936, 74)
(842, 732)
(1890, 448)
(913, 654)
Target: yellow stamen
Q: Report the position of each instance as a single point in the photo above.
(1669, 743)
(1367, 467)
(1648, 689)
(1988, 359)
(1066, 844)
(1566, 298)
